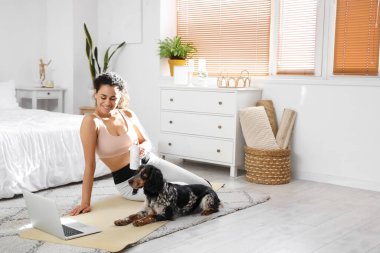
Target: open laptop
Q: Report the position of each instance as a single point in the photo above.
(44, 216)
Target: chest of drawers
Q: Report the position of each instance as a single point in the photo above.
(202, 124)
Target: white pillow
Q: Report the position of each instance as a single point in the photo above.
(8, 95)
(256, 128)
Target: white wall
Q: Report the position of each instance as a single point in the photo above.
(47, 29)
(23, 40)
(60, 47)
(85, 11)
(336, 135)
(139, 64)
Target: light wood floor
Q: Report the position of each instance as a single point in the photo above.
(301, 216)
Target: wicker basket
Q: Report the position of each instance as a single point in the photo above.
(267, 166)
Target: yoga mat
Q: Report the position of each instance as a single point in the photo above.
(269, 109)
(102, 216)
(256, 128)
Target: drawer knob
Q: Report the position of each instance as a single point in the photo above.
(169, 143)
(218, 150)
(220, 103)
(171, 100)
(220, 127)
(48, 93)
(171, 122)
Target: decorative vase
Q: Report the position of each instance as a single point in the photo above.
(175, 62)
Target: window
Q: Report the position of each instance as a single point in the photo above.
(297, 31)
(309, 37)
(357, 33)
(231, 35)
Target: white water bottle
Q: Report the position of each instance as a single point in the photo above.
(134, 156)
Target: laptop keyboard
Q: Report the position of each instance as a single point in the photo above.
(68, 231)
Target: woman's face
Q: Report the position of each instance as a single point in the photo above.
(107, 98)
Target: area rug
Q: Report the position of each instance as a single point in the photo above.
(233, 200)
(13, 215)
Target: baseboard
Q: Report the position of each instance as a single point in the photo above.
(339, 180)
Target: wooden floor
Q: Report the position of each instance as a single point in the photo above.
(301, 216)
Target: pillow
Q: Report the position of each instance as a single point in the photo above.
(8, 95)
(256, 128)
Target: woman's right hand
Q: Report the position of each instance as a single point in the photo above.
(80, 209)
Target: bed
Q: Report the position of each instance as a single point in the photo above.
(38, 149)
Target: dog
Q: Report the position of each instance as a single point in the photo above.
(166, 201)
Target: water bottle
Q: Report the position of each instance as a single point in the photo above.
(134, 156)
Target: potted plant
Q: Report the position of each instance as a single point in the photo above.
(176, 50)
(92, 55)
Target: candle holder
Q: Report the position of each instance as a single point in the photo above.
(242, 81)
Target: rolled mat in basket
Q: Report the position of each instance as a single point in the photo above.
(267, 166)
(256, 128)
(269, 109)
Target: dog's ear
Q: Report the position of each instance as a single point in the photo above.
(155, 181)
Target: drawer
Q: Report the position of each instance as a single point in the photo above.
(198, 101)
(196, 147)
(48, 94)
(198, 124)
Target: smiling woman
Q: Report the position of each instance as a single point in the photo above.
(110, 132)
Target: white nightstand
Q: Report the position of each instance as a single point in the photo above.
(36, 93)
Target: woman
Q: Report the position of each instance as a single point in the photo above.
(110, 132)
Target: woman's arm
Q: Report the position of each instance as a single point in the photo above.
(144, 141)
(88, 134)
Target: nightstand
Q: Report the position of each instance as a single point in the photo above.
(86, 110)
(37, 93)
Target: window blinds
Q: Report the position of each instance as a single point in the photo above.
(357, 35)
(297, 37)
(231, 35)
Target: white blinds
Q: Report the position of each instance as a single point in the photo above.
(231, 35)
(357, 35)
(297, 37)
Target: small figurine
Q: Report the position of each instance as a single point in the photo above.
(42, 70)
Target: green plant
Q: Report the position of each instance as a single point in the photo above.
(92, 55)
(174, 48)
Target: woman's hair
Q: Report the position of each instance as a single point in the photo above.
(113, 79)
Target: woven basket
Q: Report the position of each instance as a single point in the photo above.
(267, 166)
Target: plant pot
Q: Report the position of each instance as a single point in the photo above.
(175, 62)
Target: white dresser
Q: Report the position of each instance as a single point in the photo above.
(202, 124)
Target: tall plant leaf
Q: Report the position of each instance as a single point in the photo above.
(120, 46)
(92, 69)
(96, 59)
(88, 36)
(92, 55)
(106, 59)
(88, 49)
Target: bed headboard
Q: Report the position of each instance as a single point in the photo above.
(8, 95)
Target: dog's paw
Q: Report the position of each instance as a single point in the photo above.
(122, 222)
(139, 223)
(208, 212)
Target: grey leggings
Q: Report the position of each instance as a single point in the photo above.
(170, 171)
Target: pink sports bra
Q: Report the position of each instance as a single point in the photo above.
(108, 145)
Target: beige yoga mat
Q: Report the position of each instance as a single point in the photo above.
(271, 113)
(102, 216)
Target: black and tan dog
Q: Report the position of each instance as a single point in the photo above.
(166, 201)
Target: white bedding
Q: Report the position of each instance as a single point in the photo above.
(40, 149)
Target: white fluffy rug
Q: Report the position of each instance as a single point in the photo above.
(13, 215)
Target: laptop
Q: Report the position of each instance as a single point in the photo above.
(44, 216)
